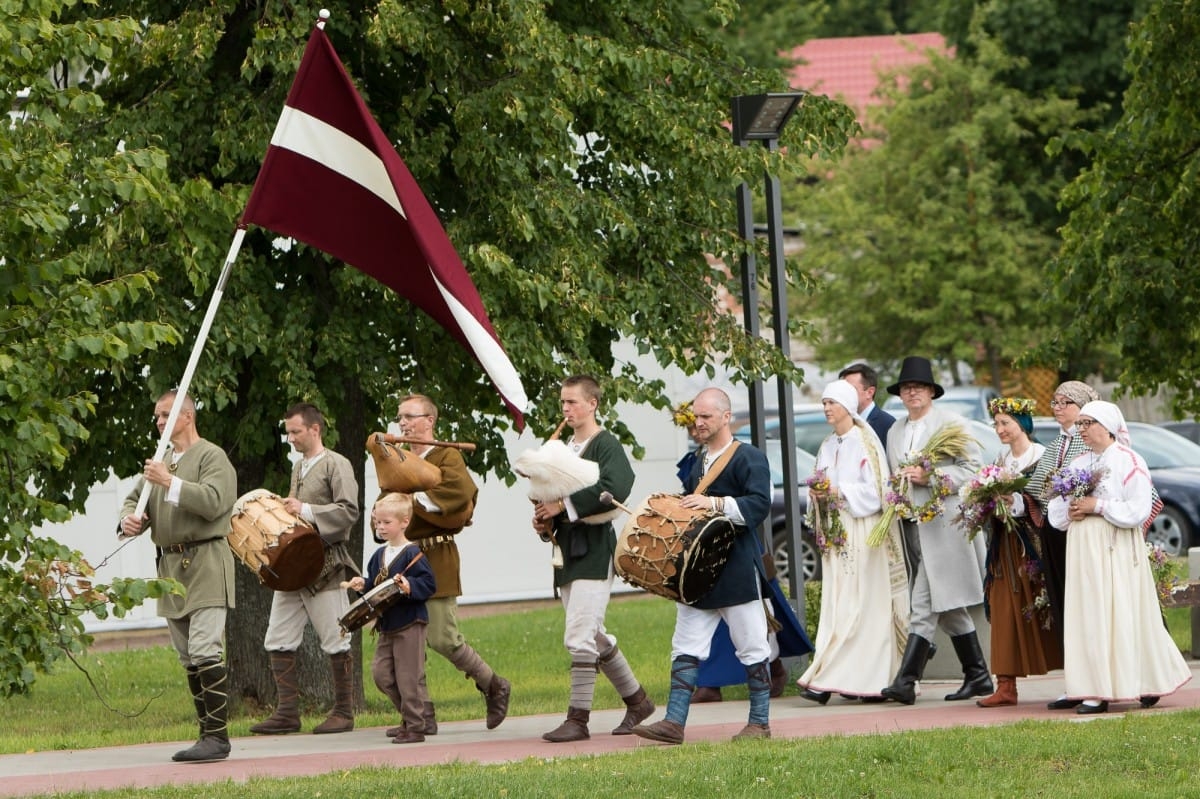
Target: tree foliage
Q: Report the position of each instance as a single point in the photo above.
(67, 202)
(1129, 269)
(923, 241)
(576, 152)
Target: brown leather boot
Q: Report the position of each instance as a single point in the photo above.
(496, 697)
(573, 729)
(1006, 693)
(341, 716)
(430, 718)
(779, 678)
(638, 708)
(705, 694)
(286, 717)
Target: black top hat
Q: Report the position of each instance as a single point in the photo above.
(916, 369)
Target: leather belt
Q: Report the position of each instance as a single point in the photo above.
(181, 548)
(432, 541)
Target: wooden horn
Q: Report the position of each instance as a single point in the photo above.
(557, 431)
(463, 445)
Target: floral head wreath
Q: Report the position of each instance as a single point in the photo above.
(1012, 406)
(683, 415)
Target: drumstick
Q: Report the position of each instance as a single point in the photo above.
(607, 498)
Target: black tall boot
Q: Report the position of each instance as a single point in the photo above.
(214, 735)
(912, 667)
(977, 680)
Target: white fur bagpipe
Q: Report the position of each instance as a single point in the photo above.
(555, 472)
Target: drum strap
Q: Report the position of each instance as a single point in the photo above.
(382, 576)
(715, 470)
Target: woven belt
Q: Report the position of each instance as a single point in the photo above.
(430, 543)
(180, 548)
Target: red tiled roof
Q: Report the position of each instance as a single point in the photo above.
(848, 68)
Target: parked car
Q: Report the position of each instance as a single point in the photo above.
(969, 401)
(1174, 463)
(810, 558)
(1189, 429)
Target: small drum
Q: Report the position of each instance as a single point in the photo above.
(285, 552)
(371, 606)
(673, 551)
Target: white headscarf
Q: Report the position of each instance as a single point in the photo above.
(844, 394)
(1110, 418)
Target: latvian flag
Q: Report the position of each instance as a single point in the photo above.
(332, 179)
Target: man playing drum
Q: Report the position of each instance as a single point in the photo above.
(439, 514)
(741, 490)
(323, 493)
(585, 576)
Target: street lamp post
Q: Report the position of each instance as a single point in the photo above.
(762, 117)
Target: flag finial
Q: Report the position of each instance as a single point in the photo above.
(323, 15)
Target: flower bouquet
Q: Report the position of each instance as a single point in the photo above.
(980, 498)
(1039, 609)
(1165, 570)
(947, 443)
(825, 513)
(1070, 482)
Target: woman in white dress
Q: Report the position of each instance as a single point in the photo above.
(1115, 645)
(863, 627)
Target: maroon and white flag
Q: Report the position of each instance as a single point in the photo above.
(331, 179)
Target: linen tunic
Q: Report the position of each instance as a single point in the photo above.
(200, 521)
(434, 531)
(864, 598)
(331, 492)
(1115, 645)
(588, 548)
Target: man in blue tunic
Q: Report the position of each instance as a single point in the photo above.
(738, 485)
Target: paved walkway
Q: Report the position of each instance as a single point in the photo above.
(520, 737)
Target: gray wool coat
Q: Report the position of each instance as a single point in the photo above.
(955, 565)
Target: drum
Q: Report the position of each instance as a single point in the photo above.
(673, 551)
(371, 606)
(283, 551)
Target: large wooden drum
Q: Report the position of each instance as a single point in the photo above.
(673, 551)
(283, 551)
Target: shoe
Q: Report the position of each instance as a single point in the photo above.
(496, 697)
(665, 732)
(638, 708)
(392, 732)
(1148, 701)
(820, 697)
(1087, 710)
(205, 750)
(1063, 704)
(409, 737)
(751, 731)
(706, 694)
(872, 700)
(779, 678)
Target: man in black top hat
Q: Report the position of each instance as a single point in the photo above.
(946, 569)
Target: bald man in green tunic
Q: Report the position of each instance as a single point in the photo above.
(193, 489)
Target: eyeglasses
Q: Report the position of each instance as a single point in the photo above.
(408, 417)
(1084, 424)
(1060, 403)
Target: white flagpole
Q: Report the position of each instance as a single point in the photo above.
(190, 369)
